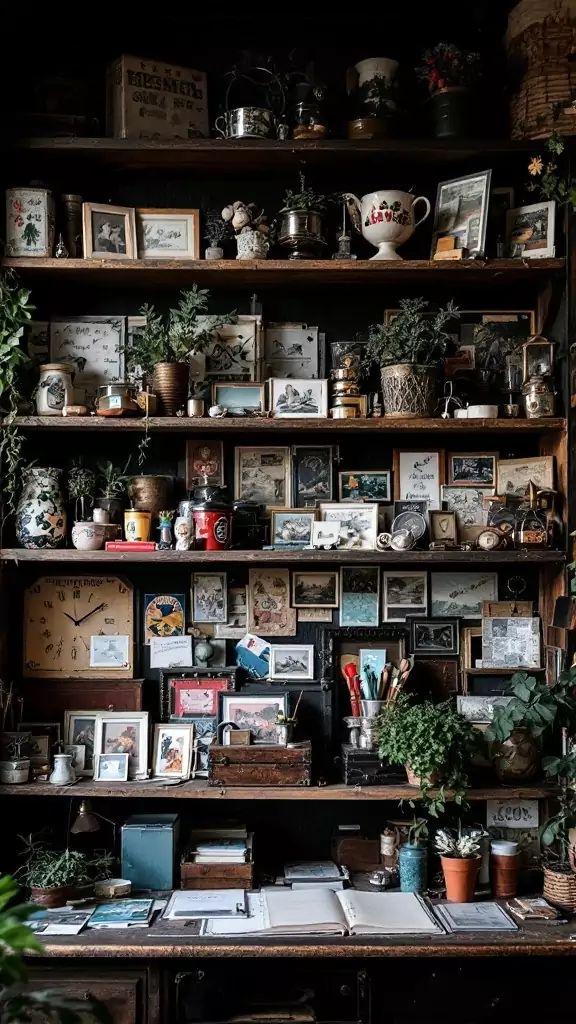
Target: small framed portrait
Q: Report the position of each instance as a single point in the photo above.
(258, 713)
(189, 696)
(514, 475)
(124, 732)
(78, 752)
(111, 652)
(461, 212)
(404, 593)
(291, 661)
(360, 595)
(111, 768)
(209, 597)
(472, 469)
(172, 753)
(80, 730)
(163, 615)
(168, 234)
(204, 461)
(109, 232)
(537, 358)
(373, 485)
(468, 503)
(418, 476)
(530, 231)
(442, 525)
(434, 636)
(357, 522)
(264, 475)
(313, 468)
(289, 526)
(298, 399)
(240, 398)
(314, 589)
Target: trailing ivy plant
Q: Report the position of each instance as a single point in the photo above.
(535, 706)
(304, 199)
(412, 336)
(15, 315)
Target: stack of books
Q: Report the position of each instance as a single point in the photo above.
(221, 851)
(218, 858)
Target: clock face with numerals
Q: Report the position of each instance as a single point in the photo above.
(61, 614)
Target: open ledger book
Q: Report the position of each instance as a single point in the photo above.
(323, 912)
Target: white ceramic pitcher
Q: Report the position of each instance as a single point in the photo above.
(385, 218)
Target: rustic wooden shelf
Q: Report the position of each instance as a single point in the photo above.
(198, 789)
(340, 557)
(261, 273)
(187, 424)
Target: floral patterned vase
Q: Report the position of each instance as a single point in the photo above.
(41, 514)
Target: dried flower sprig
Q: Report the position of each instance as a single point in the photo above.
(551, 183)
(446, 65)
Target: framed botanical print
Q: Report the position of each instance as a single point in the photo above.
(163, 615)
(418, 476)
(269, 611)
(313, 474)
(209, 597)
(263, 474)
(204, 459)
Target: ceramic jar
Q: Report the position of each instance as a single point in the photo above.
(252, 245)
(137, 525)
(63, 774)
(88, 536)
(413, 863)
(385, 219)
(29, 222)
(13, 773)
(55, 389)
(41, 513)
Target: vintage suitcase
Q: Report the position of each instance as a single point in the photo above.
(260, 765)
(364, 768)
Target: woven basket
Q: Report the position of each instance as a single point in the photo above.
(408, 390)
(541, 42)
(531, 108)
(531, 12)
(560, 889)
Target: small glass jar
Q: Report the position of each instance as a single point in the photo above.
(309, 122)
(413, 860)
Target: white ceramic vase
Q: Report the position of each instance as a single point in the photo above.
(63, 774)
(385, 219)
(376, 67)
(88, 536)
(55, 389)
(41, 513)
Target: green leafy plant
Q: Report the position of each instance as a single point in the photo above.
(551, 181)
(15, 315)
(17, 1003)
(434, 741)
(412, 336)
(81, 481)
(304, 199)
(535, 706)
(111, 481)
(174, 337)
(449, 843)
(44, 868)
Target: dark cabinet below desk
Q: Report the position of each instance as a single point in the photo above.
(126, 994)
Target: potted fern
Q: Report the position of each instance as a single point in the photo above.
(408, 349)
(164, 346)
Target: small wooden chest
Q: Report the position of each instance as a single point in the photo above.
(364, 768)
(260, 765)
(216, 876)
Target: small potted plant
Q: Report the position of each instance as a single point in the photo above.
(409, 349)
(460, 861)
(434, 742)
(111, 484)
(301, 222)
(451, 75)
(250, 228)
(164, 346)
(54, 876)
(215, 231)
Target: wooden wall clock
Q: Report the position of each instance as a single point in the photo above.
(62, 613)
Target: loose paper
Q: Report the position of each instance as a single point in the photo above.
(171, 652)
(510, 643)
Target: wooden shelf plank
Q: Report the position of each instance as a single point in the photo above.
(340, 557)
(261, 273)
(199, 789)
(187, 424)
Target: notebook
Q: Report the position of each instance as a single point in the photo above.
(122, 914)
(190, 905)
(58, 922)
(323, 912)
(474, 917)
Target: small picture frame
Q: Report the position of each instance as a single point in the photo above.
(290, 662)
(472, 469)
(364, 485)
(263, 475)
(325, 535)
(537, 358)
(209, 597)
(186, 696)
(290, 526)
(204, 461)
(80, 730)
(124, 732)
(514, 475)
(168, 234)
(315, 589)
(313, 473)
(360, 595)
(244, 396)
(163, 616)
(443, 525)
(530, 231)
(110, 651)
(292, 398)
(172, 752)
(403, 594)
(418, 476)
(357, 522)
(257, 712)
(469, 503)
(111, 767)
(461, 212)
(437, 637)
(109, 232)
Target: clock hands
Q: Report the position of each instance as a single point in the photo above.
(91, 612)
(71, 618)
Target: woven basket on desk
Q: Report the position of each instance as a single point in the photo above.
(560, 889)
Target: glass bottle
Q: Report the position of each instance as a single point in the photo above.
(531, 528)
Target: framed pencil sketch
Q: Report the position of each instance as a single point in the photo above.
(418, 476)
(357, 523)
(514, 475)
(264, 475)
(461, 594)
(468, 503)
(461, 212)
(291, 350)
(235, 351)
(168, 234)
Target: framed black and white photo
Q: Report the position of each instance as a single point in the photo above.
(404, 593)
(109, 232)
(359, 595)
(294, 398)
(530, 231)
(313, 474)
(461, 594)
(461, 212)
(111, 652)
(209, 597)
(472, 469)
(291, 661)
(290, 526)
(291, 350)
(434, 636)
(168, 234)
(263, 475)
(364, 485)
(111, 768)
(239, 398)
(314, 589)
(358, 523)
(515, 475)
(468, 503)
(418, 476)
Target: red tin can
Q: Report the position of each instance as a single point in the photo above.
(212, 519)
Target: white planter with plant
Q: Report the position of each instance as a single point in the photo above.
(409, 351)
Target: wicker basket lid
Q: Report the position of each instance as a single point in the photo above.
(531, 12)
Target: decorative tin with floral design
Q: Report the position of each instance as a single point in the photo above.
(54, 389)
(41, 514)
(29, 222)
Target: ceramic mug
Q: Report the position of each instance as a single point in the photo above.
(137, 525)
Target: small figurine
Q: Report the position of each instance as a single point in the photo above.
(217, 412)
(183, 533)
(165, 527)
(250, 228)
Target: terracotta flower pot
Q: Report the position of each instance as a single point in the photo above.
(460, 877)
(171, 386)
(415, 780)
(517, 759)
(55, 897)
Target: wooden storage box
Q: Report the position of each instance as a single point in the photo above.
(260, 765)
(218, 876)
(152, 99)
(364, 768)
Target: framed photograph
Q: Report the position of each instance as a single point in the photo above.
(204, 459)
(325, 535)
(480, 710)
(124, 732)
(293, 398)
(235, 351)
(209, 597)
(442, 525)
(537, 358)
(78, 752)
(263, 474)
(80, 730)
(434, 636)
(235, 627)
(514, 475)
(313, 474)
(314, 589)
(359, 595)
(461, 594)
(467, 503)
(163, 615)
(43, 736)
(461, 212)
(111, 652)
(168, 234)
(364, 485)
(404, 593)
(172, 754)
(357, 523)
(94, 346)
(255, 712)
(418, 476)
(530, 231)
(472, 469)
(109, 232)
(291, 661)
(111, 768)
(240, 397)
(269, 611)
(291, 350)
(205, 731)
(314, 614)
(192, 696)
(291, 526)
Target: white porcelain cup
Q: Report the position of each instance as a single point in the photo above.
(460, 414)
(483, 412)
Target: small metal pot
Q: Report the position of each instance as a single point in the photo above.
(301, 233)
(116, 400)
(246, 123)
